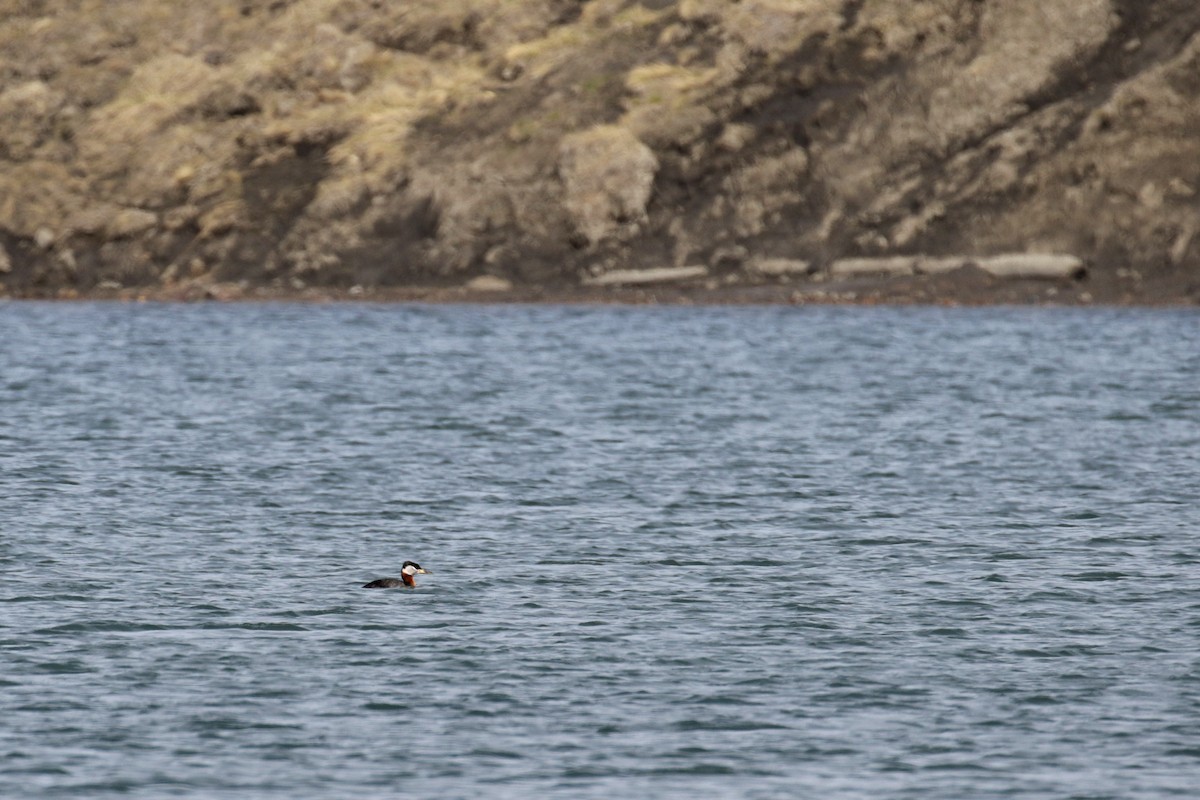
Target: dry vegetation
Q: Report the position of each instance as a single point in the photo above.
(354, 142)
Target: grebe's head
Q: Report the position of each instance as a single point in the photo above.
(413, 568)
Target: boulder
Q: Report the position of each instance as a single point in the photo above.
(1033, 265)
(780, 267)
(130, 222)
(638, 277)
(936, 265)
(488, 283)
(891, 265)
(607, 174)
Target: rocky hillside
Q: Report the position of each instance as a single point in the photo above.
(288, 144)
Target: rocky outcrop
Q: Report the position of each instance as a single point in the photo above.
(607, 177)
(302, 143)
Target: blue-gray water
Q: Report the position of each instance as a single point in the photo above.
(743, 553)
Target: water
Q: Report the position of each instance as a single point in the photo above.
(744, 553)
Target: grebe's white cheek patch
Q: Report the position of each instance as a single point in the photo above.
(408, 570)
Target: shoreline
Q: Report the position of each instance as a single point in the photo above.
(964, 288)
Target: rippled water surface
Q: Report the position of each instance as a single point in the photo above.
(744, 553)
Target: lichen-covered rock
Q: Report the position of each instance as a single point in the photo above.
(1024, 48)
(777, 27)
(995, 61)
(607, 176)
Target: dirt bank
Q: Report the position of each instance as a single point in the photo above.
(753, 151)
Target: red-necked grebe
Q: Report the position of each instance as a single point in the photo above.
(409, 569)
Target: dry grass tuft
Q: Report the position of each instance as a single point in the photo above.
(340, 194)
(29, 111)
(38, 195)
(666, 104)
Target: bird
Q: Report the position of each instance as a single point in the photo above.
(409, 569)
